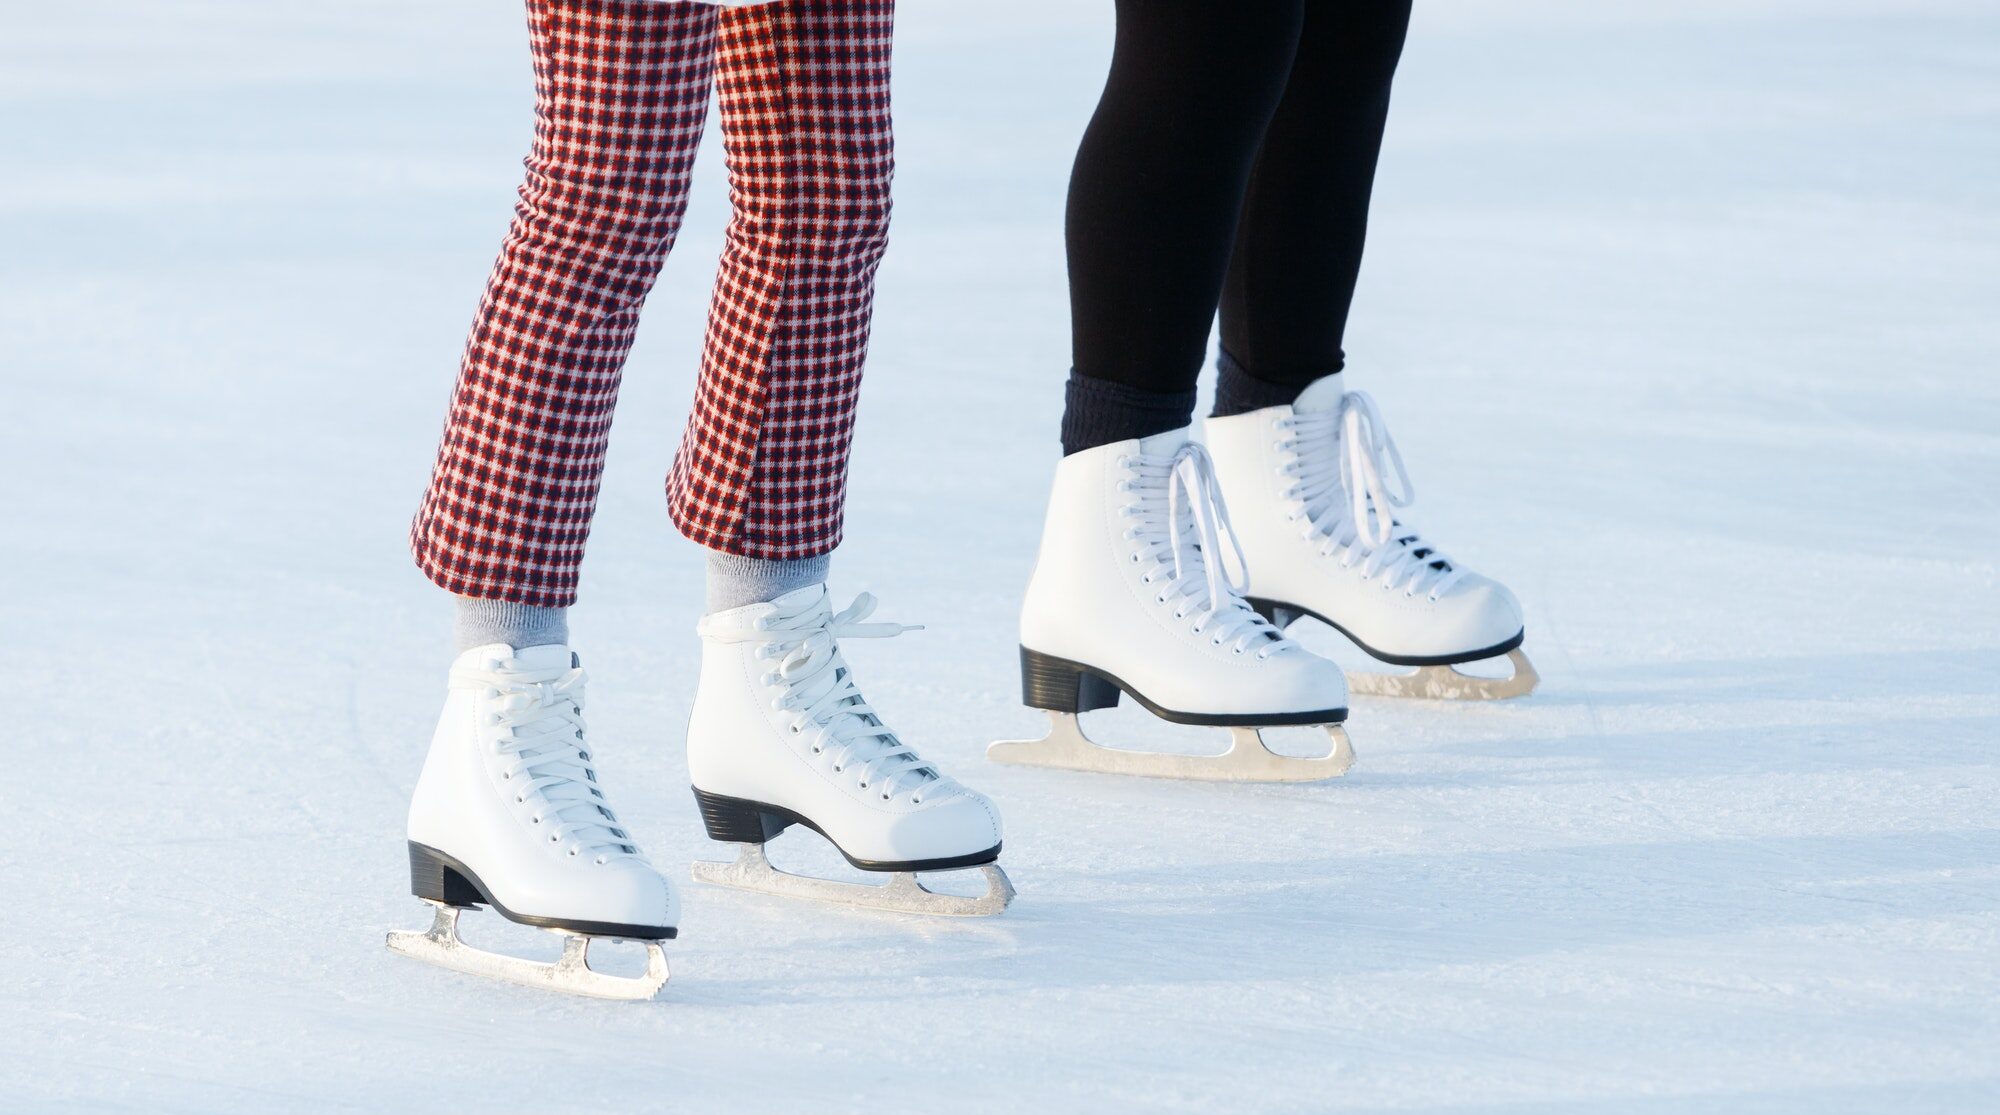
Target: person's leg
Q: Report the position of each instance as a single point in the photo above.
(761, 476)
(622, 89)
(621, 93)
(1305, 216)
(1153, 202)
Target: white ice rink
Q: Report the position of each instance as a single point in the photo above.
(1724, 276)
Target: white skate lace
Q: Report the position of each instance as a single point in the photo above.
(1343, 460)
(537, 715)
(819, 686)
(1184, 555)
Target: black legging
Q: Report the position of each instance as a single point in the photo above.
(1229, 163)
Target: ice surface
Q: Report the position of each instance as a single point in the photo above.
(1684, 315)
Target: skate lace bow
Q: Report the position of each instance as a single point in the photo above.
(1181, 525)
(1346, 496)
(818, 685)
(537, 716)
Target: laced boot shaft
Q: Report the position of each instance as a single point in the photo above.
(531, 720)
(1341, 463)
(812, 689)
(1177, 523)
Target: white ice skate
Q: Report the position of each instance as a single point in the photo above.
(509, 813)
(781, 736)
(1309, 492)
(1130, 595)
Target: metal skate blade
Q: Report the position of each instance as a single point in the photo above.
(1247, 760)
(904, 892)
(1448, 683)
(571, 972)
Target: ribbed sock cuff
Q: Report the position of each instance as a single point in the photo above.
(1239, 392)
(1100, 411)
(480, 622)
(736, 582)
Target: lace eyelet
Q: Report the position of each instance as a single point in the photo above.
(915, 800)
(836, 768)
(572, 851)
(863, 785)
(505, 775)
(537, 820)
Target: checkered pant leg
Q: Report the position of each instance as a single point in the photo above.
(803, 90)
(621, 92)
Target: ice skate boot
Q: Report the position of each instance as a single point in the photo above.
(1130, 595)
(781, 736)
(1310, 493)
(510, 813)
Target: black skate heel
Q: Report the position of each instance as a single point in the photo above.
(1277, 615)
(735, 821)
(434, 879)
(1059, 685)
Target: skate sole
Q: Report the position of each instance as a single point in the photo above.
(1275, 611)
(1060, 685)
(751, 824)
(440, 878)
(1066, 689)
(1436, 677)
(742, 821)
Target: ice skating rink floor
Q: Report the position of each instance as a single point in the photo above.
(1683, 314)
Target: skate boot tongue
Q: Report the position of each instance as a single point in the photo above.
(553, 656)
(1323, 394)
(1163, 445)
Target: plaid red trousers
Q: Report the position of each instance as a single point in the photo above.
(622, 91)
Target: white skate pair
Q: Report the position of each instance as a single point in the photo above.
(510, 811)
(1134, 593)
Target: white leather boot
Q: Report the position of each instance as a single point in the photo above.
(510, 812)
(780, 735)
(1315, 492)
(1130, 595)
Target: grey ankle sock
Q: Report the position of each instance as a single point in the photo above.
(734, 582)
(481, 622)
